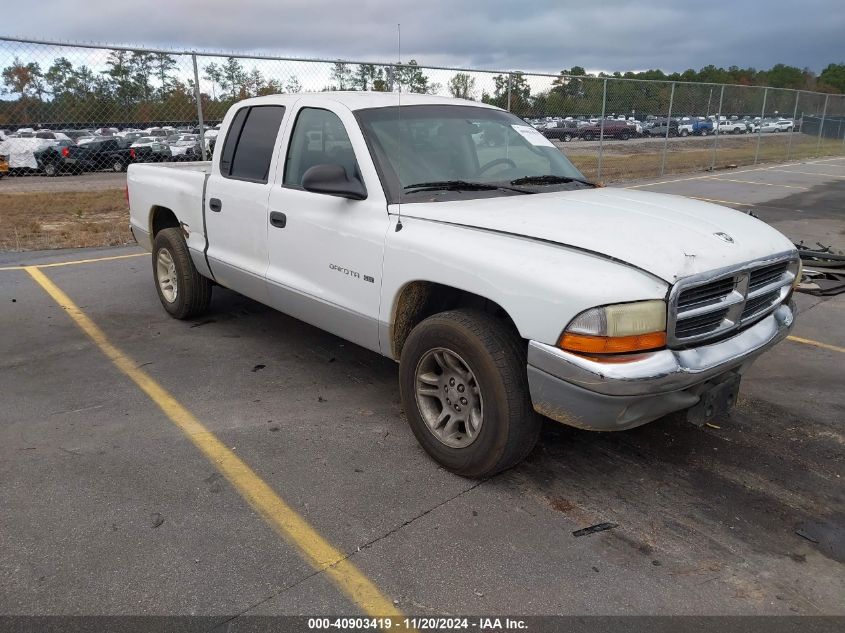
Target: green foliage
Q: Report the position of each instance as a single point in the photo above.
(833, 77)
(462, 86)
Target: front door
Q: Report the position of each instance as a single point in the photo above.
(326, 252)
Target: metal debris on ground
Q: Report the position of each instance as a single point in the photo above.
(824, 271)
(598, 527)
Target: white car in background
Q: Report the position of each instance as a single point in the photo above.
(732, 127)
(21, 151)
(185, 144)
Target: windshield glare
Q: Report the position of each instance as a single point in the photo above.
(440, 143)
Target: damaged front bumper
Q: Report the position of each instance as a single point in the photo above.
(603, 396)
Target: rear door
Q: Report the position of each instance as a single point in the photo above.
(236, 199)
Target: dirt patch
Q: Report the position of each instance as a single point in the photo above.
(43, 220)
(632, 160)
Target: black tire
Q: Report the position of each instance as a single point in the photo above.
(684, 133)
(588, 136)
(118, 165)
(497, 356)
(624, 136)
(193, 294)
(567, 138)
(50, 169)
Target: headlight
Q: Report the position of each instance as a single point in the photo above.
(616, 329)
(797, 268)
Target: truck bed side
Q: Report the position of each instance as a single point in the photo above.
(162, 192)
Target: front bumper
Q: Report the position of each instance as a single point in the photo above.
(617, 396)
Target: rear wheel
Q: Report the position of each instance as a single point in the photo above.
(118, 166)
(183, 292)
(465, 392)
(50, 169)
(567, 138)
(684, 133)
(624, 136)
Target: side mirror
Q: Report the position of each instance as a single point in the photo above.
(332, 180)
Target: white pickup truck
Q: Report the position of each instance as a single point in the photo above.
(457, 240)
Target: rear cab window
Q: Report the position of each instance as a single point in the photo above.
(250, 142)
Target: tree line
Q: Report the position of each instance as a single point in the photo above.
(142, 86)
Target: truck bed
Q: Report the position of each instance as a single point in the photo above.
(179, 187)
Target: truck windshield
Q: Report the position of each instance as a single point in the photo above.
(455, 151)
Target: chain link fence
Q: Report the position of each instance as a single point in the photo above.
(74, 110)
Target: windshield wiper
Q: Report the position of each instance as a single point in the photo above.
(458, 185)
(549, 179)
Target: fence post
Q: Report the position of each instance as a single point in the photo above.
(601, 127)
(821, 125)
(510, 82)
(198, 97)
(760, 127)
(668, 127)
(792, 131)
(718, 125)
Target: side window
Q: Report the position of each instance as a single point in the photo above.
(247, 151)
(318, 138)
(258, 140)
(231, 142)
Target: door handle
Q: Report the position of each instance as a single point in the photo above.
(215, 205)
(278, 219)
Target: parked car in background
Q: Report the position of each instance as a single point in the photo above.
(77, 135)
(54, 159)
(186, 147)
(658, 127)
(100, 154)
(698, 127)
(153, 148)
(21, 152)
(785, 125)
(562, 131)
(612, 129)
(732, 127)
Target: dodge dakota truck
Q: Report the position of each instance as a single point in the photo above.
(505, 284)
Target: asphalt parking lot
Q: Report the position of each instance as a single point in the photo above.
(118, 500)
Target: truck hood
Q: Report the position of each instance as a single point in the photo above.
(668, 236)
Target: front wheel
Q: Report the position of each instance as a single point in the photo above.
(118, 166)
(464, 389)
(183, 292)
(50, 169)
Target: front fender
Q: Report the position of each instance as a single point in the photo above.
(541, 285)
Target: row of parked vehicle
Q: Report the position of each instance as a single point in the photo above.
(582, 128)
(73, 151)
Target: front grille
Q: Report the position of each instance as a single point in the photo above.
(759, 304)
(766, 275)
(704, 307)
(702, 324)
(706, 294)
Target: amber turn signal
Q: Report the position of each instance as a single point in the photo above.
(587, 344)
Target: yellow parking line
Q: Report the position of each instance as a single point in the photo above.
(318, 552)
(741, 204)
(75, 261)
(752, 182)
(807, 341)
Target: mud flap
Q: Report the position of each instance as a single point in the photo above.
(715, 400)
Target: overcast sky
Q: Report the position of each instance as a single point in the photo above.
(531, 35)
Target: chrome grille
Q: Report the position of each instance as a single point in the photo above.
(713, 304)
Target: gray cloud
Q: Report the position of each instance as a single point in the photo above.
(542, 35)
